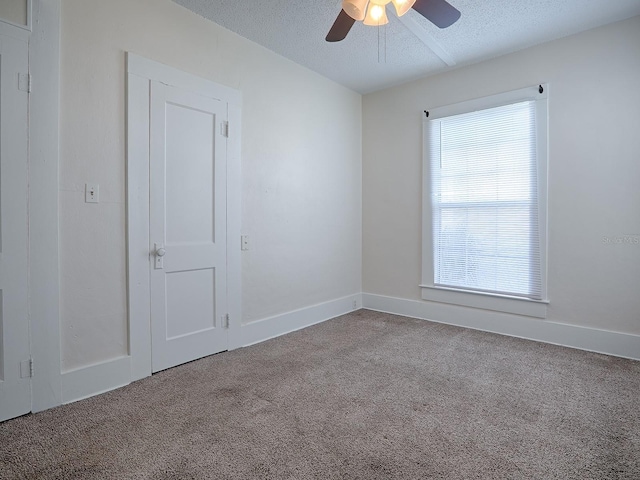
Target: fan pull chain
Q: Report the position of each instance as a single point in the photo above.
(379, 43)
(382, 40)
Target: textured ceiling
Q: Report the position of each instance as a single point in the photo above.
(414, 46)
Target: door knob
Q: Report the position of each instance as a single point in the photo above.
(159, 252)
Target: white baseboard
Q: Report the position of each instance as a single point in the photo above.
(95, 379)
(583, 338)
(99, 378)
(261, 330)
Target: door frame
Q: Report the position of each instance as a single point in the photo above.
(140, 73)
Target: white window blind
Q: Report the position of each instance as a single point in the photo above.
(485, 224)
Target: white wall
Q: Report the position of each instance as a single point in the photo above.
(15, 11)
(594, 173)
(301, 161)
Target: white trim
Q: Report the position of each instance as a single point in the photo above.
(137, 205)
(152, 70)
(594, 340)
(471, 298)
(140, 72)
(92, 380)
(271, 327)
(95, 379)
(542, 119)
(234, 225)
(102, 377)
(425, 37)
(44, 283)
(486, 301)
(491, 101)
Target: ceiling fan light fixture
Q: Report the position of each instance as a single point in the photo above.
(376, 15)
(439, 12)
(403, 6)
(356, 9)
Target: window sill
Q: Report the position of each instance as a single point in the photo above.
(486, 301)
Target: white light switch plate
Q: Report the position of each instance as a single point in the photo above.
(244, 242)
(91, 192)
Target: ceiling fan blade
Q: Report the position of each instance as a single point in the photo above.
(439, 12)
(340, 27)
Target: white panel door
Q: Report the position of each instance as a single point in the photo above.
(187, 226)
(15, 385)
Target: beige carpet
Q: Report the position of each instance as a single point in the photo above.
(365, 396)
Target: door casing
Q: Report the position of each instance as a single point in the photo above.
(140, 73)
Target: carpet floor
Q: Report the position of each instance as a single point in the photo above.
(364, 396)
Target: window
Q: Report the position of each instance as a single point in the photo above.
(485, 203)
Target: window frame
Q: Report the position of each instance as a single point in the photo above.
(474, 298)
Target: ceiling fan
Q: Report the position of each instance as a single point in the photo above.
(373, 12)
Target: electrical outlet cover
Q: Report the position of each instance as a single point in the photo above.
(91, 192)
